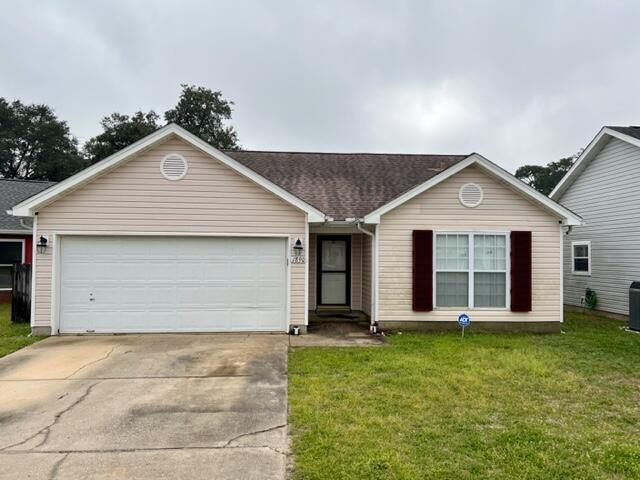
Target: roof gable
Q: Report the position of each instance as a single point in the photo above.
(630, 135)
(567, 216)
(30, 206)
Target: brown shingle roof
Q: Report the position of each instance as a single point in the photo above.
(12, 192)
(345, 185)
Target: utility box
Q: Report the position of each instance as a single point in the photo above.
(634, 306)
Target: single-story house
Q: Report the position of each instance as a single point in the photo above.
(603, 254)
(15, 233)
(173, 235)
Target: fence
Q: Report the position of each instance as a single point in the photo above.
(21, 293)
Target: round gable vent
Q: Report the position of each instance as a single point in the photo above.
(470, 195)
(173, 167)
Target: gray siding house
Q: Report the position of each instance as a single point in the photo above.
(603, 187)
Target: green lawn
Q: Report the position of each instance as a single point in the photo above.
(13, 336)
(503, 406)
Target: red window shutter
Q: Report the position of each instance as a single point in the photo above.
(422, 270)
(521, 271)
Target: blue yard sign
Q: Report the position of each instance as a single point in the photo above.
(464, 321)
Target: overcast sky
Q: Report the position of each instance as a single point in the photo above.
(519, 82)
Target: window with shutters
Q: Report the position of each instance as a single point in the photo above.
(581, 257)
(471, 270)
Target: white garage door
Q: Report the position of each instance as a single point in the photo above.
(164, 284)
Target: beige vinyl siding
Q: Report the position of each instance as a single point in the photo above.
(439, 209)
(607, 197)
(135, 197)
(366, 274)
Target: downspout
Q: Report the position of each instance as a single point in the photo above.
(373, 269)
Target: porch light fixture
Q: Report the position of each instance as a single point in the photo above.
(42, 245)
(297, 247)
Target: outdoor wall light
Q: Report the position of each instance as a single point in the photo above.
(297, 247)
(42, 245)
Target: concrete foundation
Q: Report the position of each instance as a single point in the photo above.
(531, 327)
(41, 331)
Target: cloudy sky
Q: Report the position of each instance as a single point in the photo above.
(519, 82)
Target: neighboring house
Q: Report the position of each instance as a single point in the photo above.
(173, 235)
(15, 233)
(603, 187)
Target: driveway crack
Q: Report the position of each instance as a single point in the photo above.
(248, 434)
(45, 431)
(56, 467)
(93, 362)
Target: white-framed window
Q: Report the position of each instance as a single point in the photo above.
(581, 257)
(11, 251)
(471, 270)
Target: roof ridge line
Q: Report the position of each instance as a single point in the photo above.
(351, 153)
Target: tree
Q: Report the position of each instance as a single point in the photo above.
(204, 112)
(545, 178)
(35, 144)
(120, 131)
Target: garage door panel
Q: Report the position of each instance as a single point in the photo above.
(133, 295)
(78, 271)
(215, 296)
(76, 293)
(162, 296)
(76, 321)
(205, 320)
(161, 270)
(191, 271)
(269, 296)
(132, 271)
(159, 284)
(245, 320)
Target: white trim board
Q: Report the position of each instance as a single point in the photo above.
(567, 216)
(34, 254)
(599, 141)
(28, 207)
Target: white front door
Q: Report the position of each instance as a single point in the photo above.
(334, 271)
(172, 284)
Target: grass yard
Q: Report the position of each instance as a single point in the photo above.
(499, 406)
(13, 336)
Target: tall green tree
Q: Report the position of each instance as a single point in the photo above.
(204, 113)
(120, 131)
(35, 144)
(545, 178)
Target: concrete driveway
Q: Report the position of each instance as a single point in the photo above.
(145, 407)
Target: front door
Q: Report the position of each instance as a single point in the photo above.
(334, 270)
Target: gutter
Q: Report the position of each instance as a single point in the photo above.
(374, 269)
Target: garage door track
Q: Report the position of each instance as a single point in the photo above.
(145, 407)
